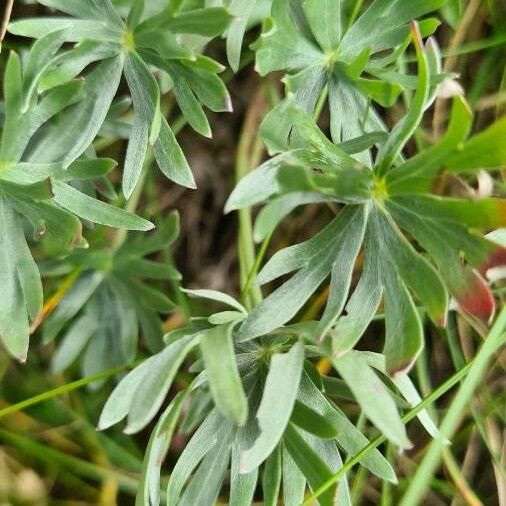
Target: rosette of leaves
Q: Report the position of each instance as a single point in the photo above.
(44, 198)
(325, 49)
(417, 246)
(260, 409)
(111, 300)
(130, 46)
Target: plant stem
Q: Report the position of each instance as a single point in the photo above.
(256, 266)
(5, 20)
(321, 102)
(63, 389)
(243, 165)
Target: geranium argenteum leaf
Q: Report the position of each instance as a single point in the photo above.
(444, 251)
(129, 45)
(313, 42)
(113, 298)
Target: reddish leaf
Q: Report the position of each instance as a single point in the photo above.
(473, 295)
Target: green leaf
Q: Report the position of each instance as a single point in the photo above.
(349, 438)
(294, 481)
(84, 169)
(145, 244)
(271, 478)
(312, 466)
(73, 30)
(226, 317)
(277, 209)
(148, 492)
(119, 402)
(309, 40)
(73, 342)
(481, 151)
(404, 129)
(171, 159)
(146, 102)
(29, 173)
(67, 65)
(418, 172)
(383, 93)
(242, 486)
(72, 302)
(313, 260)
(81, 122)
(20, 281)
(216, 296)
(47, 218)
(151, 393)
(203, 440)
(372, 396)
(205, 484)
(190, 106)
(384, 24)
(468, 287)
(259, 184)
(241, 10)
(95, 210)
(313, 422)
(226, 387)
(276, 405)
(281, 46)
(408, 391)
(135, 13)
(209, 22)
(77, 8)
(324, 18)
(148, 269)
(39, 59)
(13, 97)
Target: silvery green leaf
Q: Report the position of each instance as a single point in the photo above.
(276, 405)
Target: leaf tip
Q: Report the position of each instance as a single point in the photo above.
(227, 104)
(477, 299)
(148, 226)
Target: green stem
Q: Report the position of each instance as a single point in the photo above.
(321, 102)
(63, 389)
(355, 13)
(477, 367)
(256, 266)
(386, 486)
(246, 248)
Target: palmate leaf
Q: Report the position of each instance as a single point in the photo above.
(275, 443)
(309, 40)
(39, 193)
(393, 198)
(128, 46)
(110, 303)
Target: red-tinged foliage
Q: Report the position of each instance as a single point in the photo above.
(497, 258)
(475, 297)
